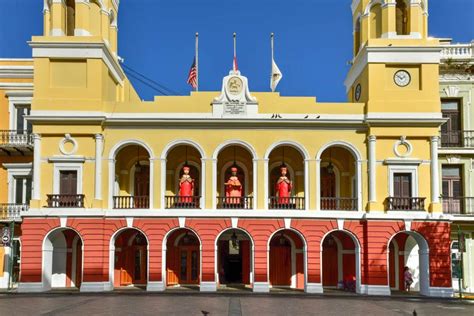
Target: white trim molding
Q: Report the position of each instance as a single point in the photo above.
(401, 168)
(67, 166)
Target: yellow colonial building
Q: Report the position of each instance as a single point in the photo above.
(234, 188)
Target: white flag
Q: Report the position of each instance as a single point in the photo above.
(275, 77)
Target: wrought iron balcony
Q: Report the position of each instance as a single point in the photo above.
(286, 203)
(459, 205)
(12, 212)
(405, 203)
(131, 201)
(244, 202)
(458, 138)
(16, 142)
(182, 201)
(338, 204)
(65, 200)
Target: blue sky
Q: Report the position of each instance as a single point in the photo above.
(312, 45)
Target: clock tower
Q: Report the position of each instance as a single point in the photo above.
(395, 72)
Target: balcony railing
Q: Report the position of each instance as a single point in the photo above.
(131, 201)
(338, 204)
(65, 200)
(457, 139)
(15, 138)
(406, 203)
(457, 51)
(244, 202)
(459, 205)
(286, 203)
(182, 201)
(12, 211)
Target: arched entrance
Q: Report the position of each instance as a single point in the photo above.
(183, 258)
(340, 261)
(234, 258)
(286, 263)
(408, 249)
(130, 258)
(62, 259)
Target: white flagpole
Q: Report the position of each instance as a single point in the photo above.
(197, 61)
(235, 51)
(271, 41)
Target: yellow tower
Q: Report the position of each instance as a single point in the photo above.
(395, 74)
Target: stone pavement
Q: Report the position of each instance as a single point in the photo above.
(232, 304)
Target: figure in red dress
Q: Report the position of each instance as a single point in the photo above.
(283, 186)
(233, 188)
(186, 187)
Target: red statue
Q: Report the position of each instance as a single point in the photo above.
(186, 186)
(233, 188)
(283, 187)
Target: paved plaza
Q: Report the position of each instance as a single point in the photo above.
(226, 304)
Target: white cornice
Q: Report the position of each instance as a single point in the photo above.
(16, 86)
(391, 55)
(221, 213)
(79, 50)
(22, 72)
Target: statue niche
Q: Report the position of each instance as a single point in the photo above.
(187, 184)
(283, 186)
(234, 185)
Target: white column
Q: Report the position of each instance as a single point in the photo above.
(359, 184)
(255, 183)
(111, 183)
(202, 201)
(36, 167)
(318, 185)
(306, 184)
(265, 183)
(152, 182)
(99, 144)
(214, 184)
(372, 169)
(434, 170)
(163, 183)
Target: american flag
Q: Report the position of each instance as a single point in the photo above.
(192, 77)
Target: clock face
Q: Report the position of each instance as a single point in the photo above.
(235, 85)
(402, 78)
(358, 92)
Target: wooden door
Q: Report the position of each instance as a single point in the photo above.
(139, 264)
(280, 265)
(127, 266)
(452, 189)
(451, 135)
(68, 182)
(391, 264)
(78, 277)
(330, 262)
(328, 189)
(244, 246)
(402, 185)
(142, 187)
(188, 265)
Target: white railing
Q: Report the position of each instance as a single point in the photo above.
(457, 51)
(12, 211)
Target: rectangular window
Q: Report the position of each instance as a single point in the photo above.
(21, 124)
(402, 185)
(451, 131)
(22, 187)
(452, 189)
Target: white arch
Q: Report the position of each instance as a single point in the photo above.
(424, 259)
(340, 143)
(252, 263)
(126, 142)
(300, 148)
(235, 142)
(178, 142)
(47, 256)
(371, 4)
(293, 254)
(112, 254)
(357, 255)
(164, 250)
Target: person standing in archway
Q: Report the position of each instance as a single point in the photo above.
(407, 276)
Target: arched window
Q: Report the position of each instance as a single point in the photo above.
(357, 36)
(402, 18)
(70, 17)
(376, 21)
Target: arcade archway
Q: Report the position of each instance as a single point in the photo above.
(340, 261)
(408, 249)
(234, 258)
(62, 259)
(130, 262)
(183, 258)
(286, 261)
